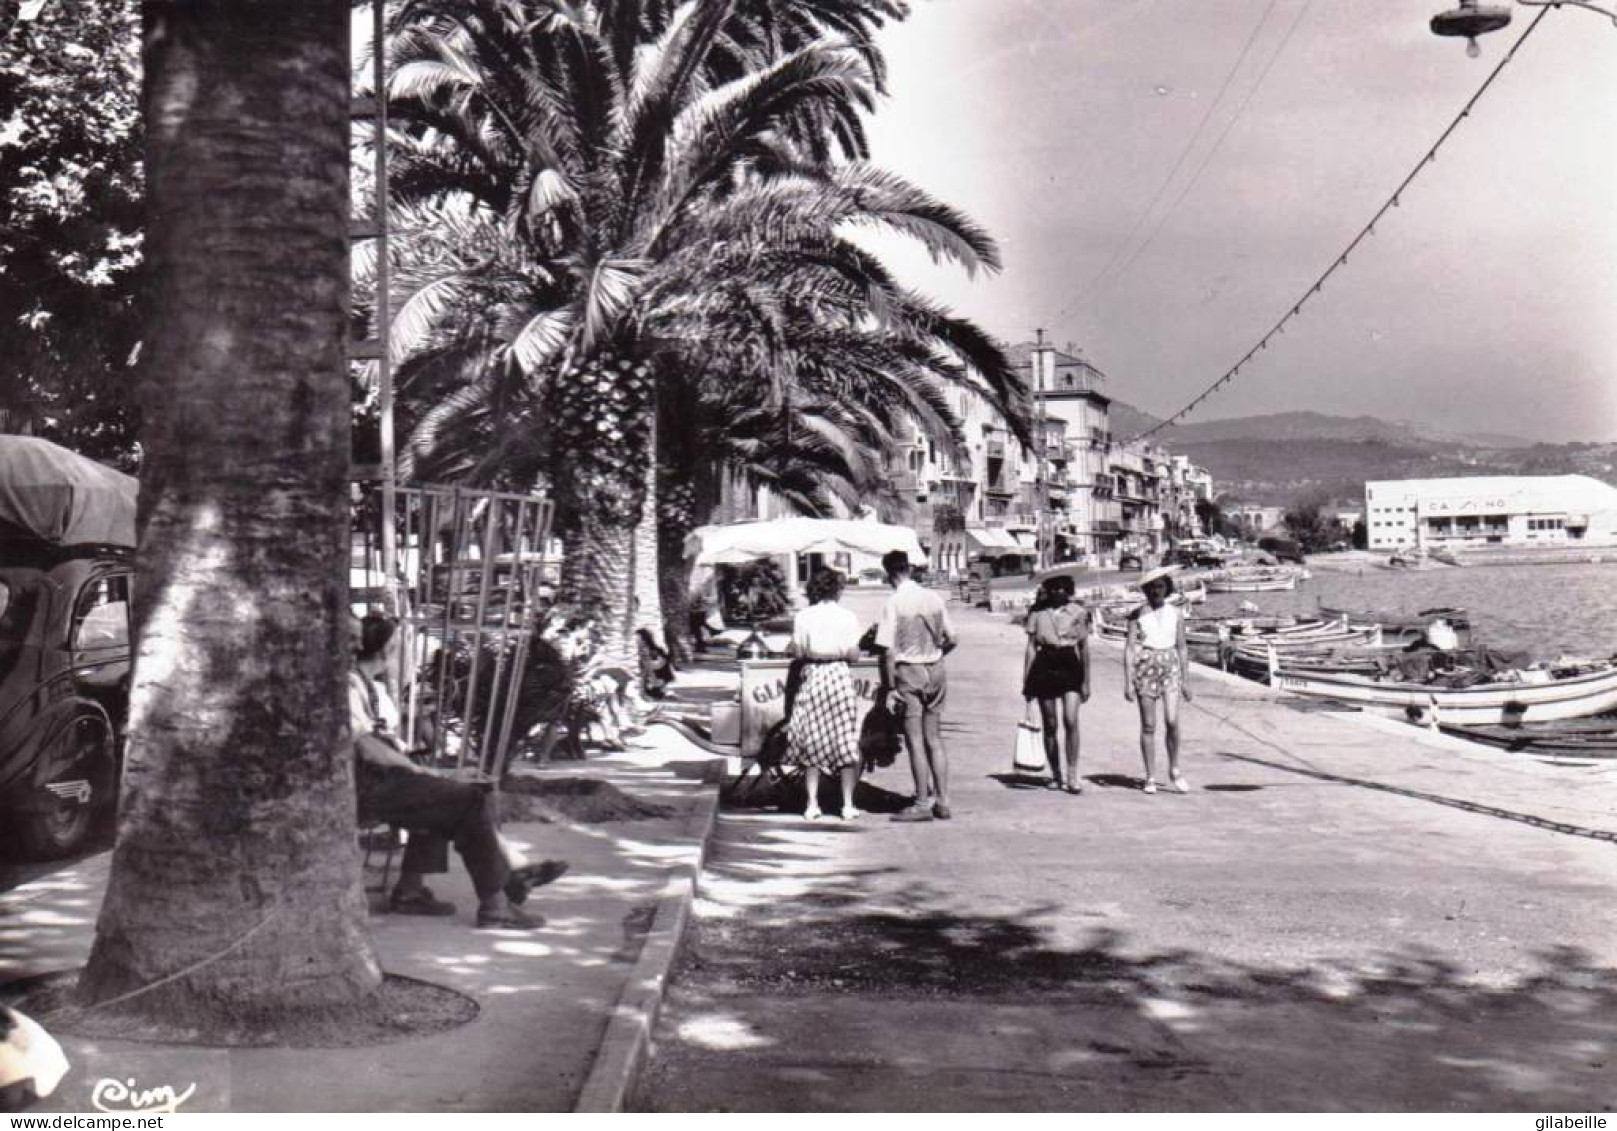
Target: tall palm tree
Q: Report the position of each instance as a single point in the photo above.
(624, 151)
(234, 895)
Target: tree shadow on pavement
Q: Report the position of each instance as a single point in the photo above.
(944, 1001)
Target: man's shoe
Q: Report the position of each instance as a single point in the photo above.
(912, 813)
(419, 902)
(510, 919)
(941, 811)
(524, 879)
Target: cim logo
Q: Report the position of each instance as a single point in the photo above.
(120, 1097)
(78, 790)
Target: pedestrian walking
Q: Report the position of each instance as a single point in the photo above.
(915, 635)
(1055, 674)
(1154, 666)
(822, 734)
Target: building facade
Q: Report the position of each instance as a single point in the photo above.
(1074, 494)
(1494, 510)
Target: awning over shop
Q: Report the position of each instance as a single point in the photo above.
(1027, 539)
(992, 542)
(60, 496)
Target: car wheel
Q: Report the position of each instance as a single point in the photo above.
(64, 826)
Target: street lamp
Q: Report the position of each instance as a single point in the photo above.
(1472, 18)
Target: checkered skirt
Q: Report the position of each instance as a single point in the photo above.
(823, 731)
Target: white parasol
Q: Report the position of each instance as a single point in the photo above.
(749, 541)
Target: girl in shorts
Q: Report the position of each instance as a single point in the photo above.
(1154, 665)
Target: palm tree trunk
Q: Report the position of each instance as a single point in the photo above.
(596, 570)
(236, 860)
(646, 597)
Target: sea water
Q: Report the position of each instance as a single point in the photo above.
(1545, 610)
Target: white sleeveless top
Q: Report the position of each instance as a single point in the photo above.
(1159, 628)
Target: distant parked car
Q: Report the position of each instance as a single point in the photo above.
(1130, 561)
(1282, 550)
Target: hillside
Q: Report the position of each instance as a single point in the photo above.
(1282, 457)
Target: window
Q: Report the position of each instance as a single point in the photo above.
(101, 618)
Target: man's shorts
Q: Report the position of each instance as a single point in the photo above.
(921, 687)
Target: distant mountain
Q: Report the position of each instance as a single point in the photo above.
(1304, 426)
(1282, 457)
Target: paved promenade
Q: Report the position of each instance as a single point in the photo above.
(562, 1011)
(1343, 915)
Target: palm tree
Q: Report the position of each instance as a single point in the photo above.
(234, 895)
(662, 176)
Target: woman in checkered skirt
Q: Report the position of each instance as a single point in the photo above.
(822, 734)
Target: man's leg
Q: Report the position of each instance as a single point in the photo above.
(390, 794)
(937, 761)
(937, 688)
(463, 813)
(915, 739)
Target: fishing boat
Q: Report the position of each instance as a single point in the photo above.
(1254, 579)
(1251, 584)
(1457, 617)
(1568, 738)
(1526, 695)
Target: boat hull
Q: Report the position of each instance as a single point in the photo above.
(1270, 585)
(1487, 704)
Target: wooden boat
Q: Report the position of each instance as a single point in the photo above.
(1456, 615)
(1267, 583)
(1534, 695)
(1569, 738)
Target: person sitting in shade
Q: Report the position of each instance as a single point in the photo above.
(434, 810)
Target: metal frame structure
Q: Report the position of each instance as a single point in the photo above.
(378, 350)
(460, 568)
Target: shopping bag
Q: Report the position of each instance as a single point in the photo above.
(881, 737)
(1029, 757)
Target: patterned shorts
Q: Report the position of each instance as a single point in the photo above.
(1156, 672)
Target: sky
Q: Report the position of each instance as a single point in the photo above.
(1166, 178)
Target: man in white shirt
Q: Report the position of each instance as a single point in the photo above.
(915, 635)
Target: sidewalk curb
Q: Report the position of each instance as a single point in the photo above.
(627, 1039)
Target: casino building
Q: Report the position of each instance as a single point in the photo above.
(1496, 510)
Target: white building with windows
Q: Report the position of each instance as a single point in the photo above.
(1494, 510)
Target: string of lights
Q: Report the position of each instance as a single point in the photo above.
(1341, 260)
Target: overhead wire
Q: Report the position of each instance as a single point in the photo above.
(1211, 153)
(1364, 233)
(1184, 153)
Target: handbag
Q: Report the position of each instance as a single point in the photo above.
(880, 737)
(1029, 754)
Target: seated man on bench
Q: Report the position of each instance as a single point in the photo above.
(434, 810)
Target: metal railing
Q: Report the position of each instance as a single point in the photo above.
(466, 588)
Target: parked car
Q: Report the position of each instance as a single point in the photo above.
(1283, 550)
(1130, 561)
(64, 691)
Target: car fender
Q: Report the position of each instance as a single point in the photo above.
(52, 765)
